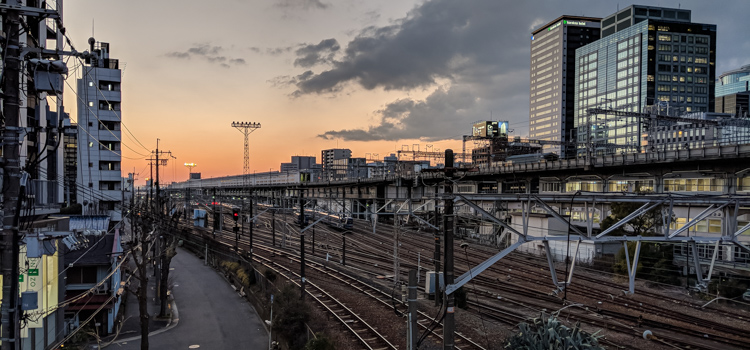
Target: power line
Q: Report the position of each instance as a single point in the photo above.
(85, 103)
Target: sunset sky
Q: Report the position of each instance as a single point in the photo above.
(371, 76)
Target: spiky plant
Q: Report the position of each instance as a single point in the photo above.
(551, 334)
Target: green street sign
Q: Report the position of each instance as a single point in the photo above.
(33, 272)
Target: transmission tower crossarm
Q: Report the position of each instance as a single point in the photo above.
(246, 128)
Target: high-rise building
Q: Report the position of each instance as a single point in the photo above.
(552, 80)
(327, 158)
(733, 81)
(99, 146)
(304, 162)
(298, 163)
(646, 56)
(733, 92)
(737, 104)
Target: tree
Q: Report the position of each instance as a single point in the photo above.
(656, 259)
(642, 225)
(139, 248)
(655, 262)
(168, 243)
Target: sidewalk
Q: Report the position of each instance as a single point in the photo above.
(131, 327)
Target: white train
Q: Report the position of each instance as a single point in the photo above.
(258, 179)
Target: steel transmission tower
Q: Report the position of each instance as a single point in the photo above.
(246, 128)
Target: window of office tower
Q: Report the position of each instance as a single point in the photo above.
(628, 64)
(587, 79)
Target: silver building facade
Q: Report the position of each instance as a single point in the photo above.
(99, 183)
(647, 56)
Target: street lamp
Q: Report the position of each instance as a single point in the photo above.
(190, 167)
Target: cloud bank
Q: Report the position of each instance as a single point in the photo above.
(473, 56)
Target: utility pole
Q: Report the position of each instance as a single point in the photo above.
(151, 186)
(250, 231)
(273, 228)
(395, 245)
(133, 236)
(157, 217)
(302, 246)
(436, 257)
(449, 322)
(412, 302)
(11, 171)
(157, 209)
(158, 204)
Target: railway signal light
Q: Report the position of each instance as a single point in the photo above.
(235, 214)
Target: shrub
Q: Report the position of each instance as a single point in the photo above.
(728, 287)
(246, 277)
(551, 334)
(290, 317)
(321, 342)
(270, 275)
(230, 266)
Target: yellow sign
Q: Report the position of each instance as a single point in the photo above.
(39, 275)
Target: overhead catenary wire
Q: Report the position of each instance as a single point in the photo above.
(85, 103)
(69, 42)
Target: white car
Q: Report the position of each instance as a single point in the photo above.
(746, 295)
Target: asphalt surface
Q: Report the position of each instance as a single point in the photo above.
(211, 313)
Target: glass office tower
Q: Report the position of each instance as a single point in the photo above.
(733, 81)
(647, 56)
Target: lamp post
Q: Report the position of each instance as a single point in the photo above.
(190, 167)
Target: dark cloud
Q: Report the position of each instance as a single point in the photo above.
(473, 54)
(310, 55)
(303, 4)
(464, 45)
(399, 118)
(208, 53)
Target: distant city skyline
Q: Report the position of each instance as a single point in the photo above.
(368, 76)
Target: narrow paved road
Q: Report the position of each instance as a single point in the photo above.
(212, 315)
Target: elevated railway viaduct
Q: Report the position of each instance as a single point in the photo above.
(553, 208)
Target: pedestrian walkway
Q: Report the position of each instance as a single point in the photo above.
(131, 326)
(211, 314)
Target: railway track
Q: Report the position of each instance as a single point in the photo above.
(365, 333)
(362, 252)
